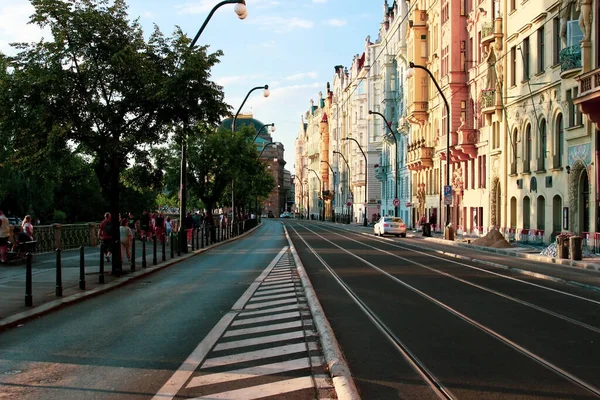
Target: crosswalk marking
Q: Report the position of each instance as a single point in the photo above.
(255, 355)
(268, 318)
(259, 329)
(275, 291)
(244, 373)
(270, 303)
(271, 310)
(261, 391)
(277, 286)
(259, 340)
(272, 297)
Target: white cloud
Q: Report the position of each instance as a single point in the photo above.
(281, 24)
(227, 80)
(303, 75)
(336, 22)
(14, 27)
(204, 6)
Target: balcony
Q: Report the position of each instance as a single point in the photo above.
(417, 112)
(487, 32)
(570, 61)
(466, 148)
(589, 95)
(487, 101)
(381, 172)
(358, 179)
(419, 158)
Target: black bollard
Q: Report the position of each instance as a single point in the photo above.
(164, 247)
(82, 268)
(101, 271)
(59, 288)
(133, 254)
(154, 254)
(201, 229)
(28, 279)
(171, 244)
(178, 245)
(144, 253)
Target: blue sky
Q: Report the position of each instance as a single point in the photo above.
(290, 45)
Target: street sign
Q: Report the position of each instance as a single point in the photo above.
(396, 202)
(408, 204)
(448, 195)
(349, 204)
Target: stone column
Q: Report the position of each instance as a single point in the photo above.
(93, 235)
(57, 235)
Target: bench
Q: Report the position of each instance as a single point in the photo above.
(21, 250)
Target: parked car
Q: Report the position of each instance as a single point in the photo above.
(286, 214)
(391, 226)
(14, 221)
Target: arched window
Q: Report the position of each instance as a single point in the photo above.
(559, 140)
(543, 145)
(527, 150)
(515, 140)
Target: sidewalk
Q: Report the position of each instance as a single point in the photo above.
(12, 279)
(524, 260)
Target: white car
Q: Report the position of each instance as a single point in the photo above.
(391, 226)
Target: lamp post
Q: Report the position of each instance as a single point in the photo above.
(395, 158)
(261, 128)
(266, 94)
(366, 177)
(409, 74)
(265, 146)
(242, 12)
(321, 186)
(333, 197)
(349, 187)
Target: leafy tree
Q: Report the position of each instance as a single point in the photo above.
(100, 88)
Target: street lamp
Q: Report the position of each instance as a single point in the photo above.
(395, 158)
(321, 186)
(266, 94)
(410, 73)
(265, 146)
(262, 127)
(242, 12)
(333, 197)
(366, 177)
(349, 186)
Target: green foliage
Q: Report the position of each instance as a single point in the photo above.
(59, 217)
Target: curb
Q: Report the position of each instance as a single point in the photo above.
(36, 312)
(337, 366)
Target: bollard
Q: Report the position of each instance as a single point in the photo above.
(59, 288)
(28, 279)
(164, 247)
(192, 240)
(144, 253)
(101, 271)
(154, 258)
(201, 229)
(178, 245)
(82, 268)
(133, 254)
(171, 244)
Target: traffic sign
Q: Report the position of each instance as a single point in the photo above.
(349, 204)
(448, 195)
(396, 202)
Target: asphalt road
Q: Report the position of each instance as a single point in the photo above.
(127, 343)
(416, 325)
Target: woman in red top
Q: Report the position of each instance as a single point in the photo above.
(105, 235)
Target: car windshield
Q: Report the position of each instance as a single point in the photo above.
(393, 219)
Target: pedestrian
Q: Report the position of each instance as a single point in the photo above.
(144, 225)
(159, 227)
(433, 220)
(105, 235)
(126, 237)
(133, 224)
(188, 225)
(27, 226)
(169, 228)
(4, 235)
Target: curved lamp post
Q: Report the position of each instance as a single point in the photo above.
(395, 158)
(366, 177)
(321, 186)
(266, 94)
(263, 127)
(349, 186)
(265, 146)
(409, 73)
(242, 12)
(333, 198)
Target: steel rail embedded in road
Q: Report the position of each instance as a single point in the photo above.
(435, 385)
(496, 335)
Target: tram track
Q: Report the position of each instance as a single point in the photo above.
(418, 365)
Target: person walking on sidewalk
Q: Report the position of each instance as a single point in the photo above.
(27, 226)
(159, 228)
(126, 237)
(145, 226)
(105, 234)
(4, 235)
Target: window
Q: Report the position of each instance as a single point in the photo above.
(543, 144)
(513, 5)
(541, 50)
(473, 174)
(479, 51)
(525, 50)
(513, 166)
(559, 142)
(484, 172)
(556, 41)
(513, 66)
(527, 150)
(575, 117)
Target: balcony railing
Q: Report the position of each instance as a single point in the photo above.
(487, 98)
(570, 58)
(589, 82)
(487, 29)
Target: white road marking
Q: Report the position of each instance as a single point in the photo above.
(245, 373)
(254, 306)
(269, 285)
(272, 297)
(259, 329)
(274, 291)
(284, 278)
(268, 318)
(255, 355)
(261, 391)
(259, 340)
(271, 310)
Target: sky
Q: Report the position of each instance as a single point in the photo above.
(290, 45)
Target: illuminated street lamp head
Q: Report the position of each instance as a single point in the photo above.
(267, 91)
(411, 71)
(241, 10)
(273, 127)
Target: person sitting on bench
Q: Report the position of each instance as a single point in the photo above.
(20, 244)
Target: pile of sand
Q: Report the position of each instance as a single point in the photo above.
(492, 239)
